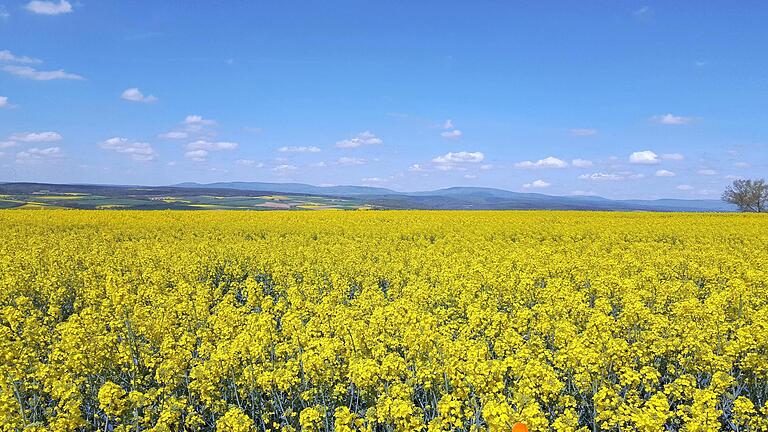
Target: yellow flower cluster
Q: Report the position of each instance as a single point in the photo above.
(383, 321)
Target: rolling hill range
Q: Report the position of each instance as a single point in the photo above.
(477, 198)
(297, 196)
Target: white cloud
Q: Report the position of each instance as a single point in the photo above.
(486, 167)
(645, 157)
(38, 153)
(320, 164)
(459, 157)
(36, 137)
(350, 161)
(49, 7)
(249, 163)
(453, 134)
(417, 168)
(672, 156)
(34, 74)
(4, 102)
(670, 119)
(285, 168)
(196, 155)
(198, 120)
(138, 151)
(211, 146)
(664, 173)
(4, 13)
(195, 124)
(373, 180)
(742, 165)
(685, 187)
(135, 95)
(581, 163)
(7, 144)
(299, 149)
(548, 162)
(174, 135)
(361, 139)
(602, 177)
(707, 172)
(642, 12)
(8, 57)
(470, 176)
(537, 184)
(583, 132)
(448, 124)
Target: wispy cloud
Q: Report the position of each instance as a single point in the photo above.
(599, 176)
(664, 173)
(459, 157)
(49, 7)
(707, 172)
(35, 137)
(284, 168)
(192, 125)
(361, 139)
(138, 151)
(537, 184)
(135, 95)
(299, 149)
(8, 57)
(29, 72)
(174, 135)
(351, 161)
(40, 153)
(450, 130)
(198, 151)
(4, 102)
(211, 145)
(583, 132)
(548, 162)
(197, 155)
(642, 12)
(374, 180)
(672, 156)
(685, 187)
(249, 163)
(671, 119)
(581, 163)
(453, 134)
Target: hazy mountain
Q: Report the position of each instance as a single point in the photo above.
(296, 188)
(478, 198)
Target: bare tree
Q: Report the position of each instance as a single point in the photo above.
(748, 195)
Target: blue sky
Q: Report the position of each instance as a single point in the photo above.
(616, 98)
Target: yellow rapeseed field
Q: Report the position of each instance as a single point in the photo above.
(383, 321)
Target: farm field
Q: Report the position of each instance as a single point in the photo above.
(383, 321)
(172, 199)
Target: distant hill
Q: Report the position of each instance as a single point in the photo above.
(298, 188)
(477, 198)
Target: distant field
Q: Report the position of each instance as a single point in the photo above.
(382, 321)
(184, 200)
